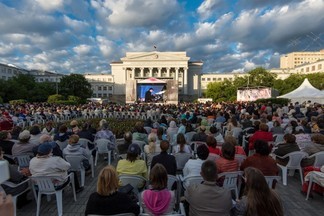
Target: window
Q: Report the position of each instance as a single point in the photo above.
(313, 67)
(319, 67)
(208, 79)
(307, 69)
(214, 79)
(99, 95)
(202, 79)
(94, 95)
(105, 88)
(219, 79)
(110, 88)
(105, 95)
(109, 79)
(99, 88)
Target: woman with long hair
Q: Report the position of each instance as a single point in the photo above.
(181, 146)
(107, 200)
(152, 149)
(259, 199)
(158, 200)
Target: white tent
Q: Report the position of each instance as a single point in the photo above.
(305, 92)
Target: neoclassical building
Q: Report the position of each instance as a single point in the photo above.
(181, 76)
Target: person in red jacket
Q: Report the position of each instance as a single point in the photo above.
(263, 134)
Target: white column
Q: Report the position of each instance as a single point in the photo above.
(142, 72)
(185, 80)
(151, 72)
(125, 70)
(177, 74)
(160, 73)
(168, 72)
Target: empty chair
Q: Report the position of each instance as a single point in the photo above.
(271, 180)
(77, 165)
(293, 164)
(232, 181)
(102, 148)
(45, 185)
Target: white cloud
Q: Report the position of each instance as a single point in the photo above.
(50, 5)
(82, 49)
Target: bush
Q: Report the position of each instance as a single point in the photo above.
(55, 98)
(1, 100)
(74, 99)
(280, 101)
(17, 102)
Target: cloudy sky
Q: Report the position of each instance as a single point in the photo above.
(84, 36)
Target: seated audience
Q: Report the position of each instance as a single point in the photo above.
(132, 165)
(107, 200)
(35, 134)
(238, 149)
(181, 146)
(139, 132)
(212, 145)
(74, 148)
(201, 135)
(168, 161)
(152, 148)
(63, 134)
(105, 133)
(23, 146)
(261, 159)
(227, 161)
(263, 133)
(277, 129)
(122, 148)
(208, 198)
(193, 166)
(45, 138)
(158, 200)
(317, 145)
(259, 199)
(74, 127)
(288, 146)
(5, 142)
(215, 132)
(48, 129)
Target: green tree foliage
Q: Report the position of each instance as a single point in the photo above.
(76, 85)
(55, 98)
(261, 77)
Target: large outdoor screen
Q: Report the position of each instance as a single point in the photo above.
(157, 93)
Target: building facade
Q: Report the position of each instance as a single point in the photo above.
(8, 71)
(295, 59)
(164, 66)
(102, 85)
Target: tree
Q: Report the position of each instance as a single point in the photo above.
(76, 85)
(261, 77)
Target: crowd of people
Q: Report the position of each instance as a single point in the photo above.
(209, 136)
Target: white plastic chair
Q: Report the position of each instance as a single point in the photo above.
(190, 180)
(84, 142)
(232, 181)
(76, 165)
(311, 181)
(102, 148)
(271, 179)
(137, 182)
(240, 158)
(181, 159)
(23, 161)
(319, 159)
(62, 144)
(293, 164)
(171, 181)
(13, 185)
(189, 136)
(44, 185)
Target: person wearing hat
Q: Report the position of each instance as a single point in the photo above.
(45, 138)
(201, 135)
(44, 164)
(132, 165)
(23, 146)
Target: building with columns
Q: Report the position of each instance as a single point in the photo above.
(164, 66)
(295, 59)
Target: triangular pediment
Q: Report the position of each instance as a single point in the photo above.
(155, 56)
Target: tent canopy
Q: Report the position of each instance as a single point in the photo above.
(305, 92)
(152, 80)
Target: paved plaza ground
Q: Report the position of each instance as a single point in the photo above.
(294, 202)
